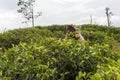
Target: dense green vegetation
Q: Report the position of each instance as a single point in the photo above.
(42, 53)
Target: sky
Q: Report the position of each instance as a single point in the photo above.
(60, 12)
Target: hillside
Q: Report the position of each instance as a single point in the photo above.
(43, 53)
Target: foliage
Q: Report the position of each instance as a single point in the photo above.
(116, 47)
(93, 33)
(104, 72)
(57, 28)
(58, 59)
(113, 32)
(26, 35)
(42, 53)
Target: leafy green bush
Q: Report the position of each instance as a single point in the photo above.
(104, 72)
(57, 28)
(55, 59)
(93, 33)
(95, 28)
(97, 37)
(26, 35)
(108, 31)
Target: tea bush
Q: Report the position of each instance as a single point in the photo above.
(26, 35)
(57, 59)
(92, 33)
(108, 31)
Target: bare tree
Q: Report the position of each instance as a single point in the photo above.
(108, 15)
(91, 19)
(27, 9)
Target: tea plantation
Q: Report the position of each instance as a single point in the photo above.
(43, 53)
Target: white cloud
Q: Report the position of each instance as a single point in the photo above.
(9, 20)
(115, 19)
(61, 12)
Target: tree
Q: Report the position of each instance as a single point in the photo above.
(91, 19)
(27, 9)
(108, 15)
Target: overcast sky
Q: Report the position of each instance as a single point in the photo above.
(60, 12)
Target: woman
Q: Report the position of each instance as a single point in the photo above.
(73, 33)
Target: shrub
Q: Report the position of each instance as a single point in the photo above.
(9, 38)
(54, 59)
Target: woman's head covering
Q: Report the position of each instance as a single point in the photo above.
(70, 28)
